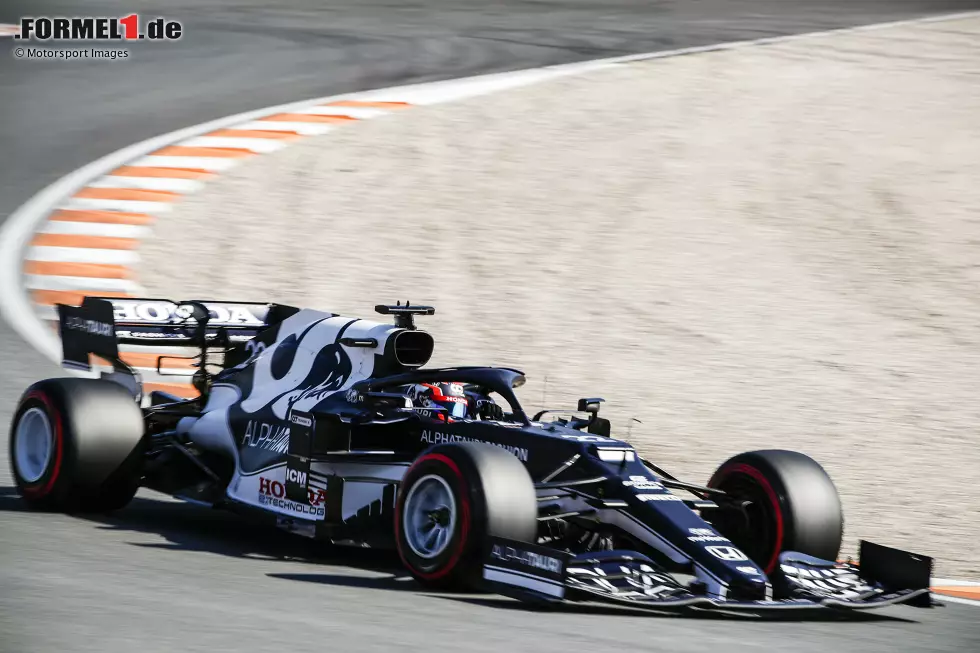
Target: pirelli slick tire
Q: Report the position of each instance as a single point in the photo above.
(451, 499)
(793, 506)
(76, 445)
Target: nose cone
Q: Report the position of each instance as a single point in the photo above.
(748, 588)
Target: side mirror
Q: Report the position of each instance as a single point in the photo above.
(590, 405)
(597, 425)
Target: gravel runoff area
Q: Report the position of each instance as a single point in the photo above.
(775, 246)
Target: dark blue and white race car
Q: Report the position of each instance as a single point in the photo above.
(333, 428)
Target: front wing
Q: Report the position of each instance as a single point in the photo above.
(542, 575)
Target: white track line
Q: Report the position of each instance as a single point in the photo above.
(257, 145)
(149, 183)
(133, 206)
(80, 255)
(352, 112)
(211, 164)
(956, 599)
(937, 582)
(105, 229)
(304, 128)
(98, 284)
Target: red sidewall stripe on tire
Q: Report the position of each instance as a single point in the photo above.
(464, 514)
(35, 492)
(758, 477)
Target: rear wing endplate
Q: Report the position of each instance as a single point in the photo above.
(87, 330)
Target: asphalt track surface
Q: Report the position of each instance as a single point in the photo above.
(164, 576)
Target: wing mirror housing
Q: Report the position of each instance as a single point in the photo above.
(596, 425)
(590, 405)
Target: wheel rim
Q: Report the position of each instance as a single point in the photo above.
(429, 516)
(34, 444)
(754, 532)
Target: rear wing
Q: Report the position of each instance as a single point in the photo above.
(100, 325)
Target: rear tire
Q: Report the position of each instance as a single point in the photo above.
(451, 500)
(795, 506)
(77, 445)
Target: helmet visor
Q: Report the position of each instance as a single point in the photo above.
(455, 408)
(458, 409)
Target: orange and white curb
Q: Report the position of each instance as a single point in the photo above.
(957, 591)
(81, 235)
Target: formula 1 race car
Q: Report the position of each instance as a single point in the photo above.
(331, 427)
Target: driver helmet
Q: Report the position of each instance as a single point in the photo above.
(449, 396)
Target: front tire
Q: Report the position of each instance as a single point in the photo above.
(77, 445)
(451, 500)
(794, 506)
